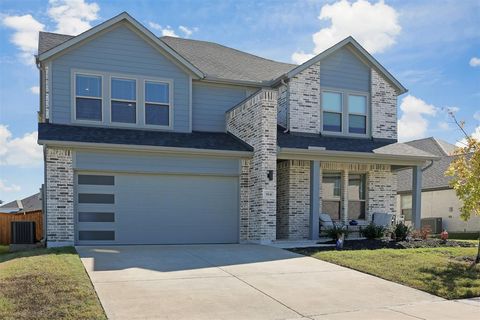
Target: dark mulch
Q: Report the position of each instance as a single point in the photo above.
(387, 244)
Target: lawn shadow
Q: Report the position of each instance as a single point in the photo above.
(447, 281)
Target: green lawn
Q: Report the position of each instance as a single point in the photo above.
(46, 284)
(445, 272)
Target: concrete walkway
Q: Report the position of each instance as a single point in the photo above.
(249, 282)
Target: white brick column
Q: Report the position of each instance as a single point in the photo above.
(255, 122)
(345, 196)
(59, 197)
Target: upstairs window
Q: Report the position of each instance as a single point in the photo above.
(123, 100)
(332, 111)
(157, 103)
(357, 114)
(88, 97)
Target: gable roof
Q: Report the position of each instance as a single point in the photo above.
(433, 174)
(122, 17)
(28, 204)
(433, 145)
(349, 41)
(219, 62)
(212, 61)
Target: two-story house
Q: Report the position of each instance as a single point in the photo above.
(153, 140)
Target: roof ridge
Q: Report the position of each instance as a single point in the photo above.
(230, 48)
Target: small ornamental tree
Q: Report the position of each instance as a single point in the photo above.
(465, 172)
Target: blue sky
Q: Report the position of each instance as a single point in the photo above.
(432, 47)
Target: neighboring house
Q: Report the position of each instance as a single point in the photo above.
(438, 198)
(164, 140)
(29, 204)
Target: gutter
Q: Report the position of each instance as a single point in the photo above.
(155, 149)
(346, 156)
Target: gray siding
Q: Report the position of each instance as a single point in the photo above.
(210, 101)
(153, 163)
(344, 70)
(118, 51)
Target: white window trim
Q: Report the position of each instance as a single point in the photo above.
(345, 112)
(106, 96)
(170, 103)
(341, 111)
(124, 100)
(74, 96)
(357, 114)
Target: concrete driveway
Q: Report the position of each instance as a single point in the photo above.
(249, 282)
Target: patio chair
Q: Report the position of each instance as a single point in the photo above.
(325, 221)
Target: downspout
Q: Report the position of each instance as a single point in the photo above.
(282, 81)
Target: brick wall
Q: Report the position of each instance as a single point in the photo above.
(382, 189)
(293, 200)
(59, 197)
(384, 107)
(254, 121)
(304, 99)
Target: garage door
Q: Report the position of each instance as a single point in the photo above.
(156, 209)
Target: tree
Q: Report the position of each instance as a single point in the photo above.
(465, 172)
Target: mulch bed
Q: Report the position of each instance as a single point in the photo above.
(387, 244)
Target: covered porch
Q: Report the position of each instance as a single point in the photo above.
(344, 185)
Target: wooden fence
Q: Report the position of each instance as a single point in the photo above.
(6, 218)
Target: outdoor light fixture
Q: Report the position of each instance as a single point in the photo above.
(270, 175)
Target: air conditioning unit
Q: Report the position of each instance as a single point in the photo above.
(435, 224)
(23, 232)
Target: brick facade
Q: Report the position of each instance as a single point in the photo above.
(304, 101)
(293, 199)
(382, 189)
(384, 107)
(255, 122)
(59, 196)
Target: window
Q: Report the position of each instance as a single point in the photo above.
(157, 103)
(331, 194)
(124, 100)
(88, 97)
(332, 111)
(406, 206)
(356, 196)
(357, 114)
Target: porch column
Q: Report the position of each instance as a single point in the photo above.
(344, 188)
(416, 196)
(314, 198)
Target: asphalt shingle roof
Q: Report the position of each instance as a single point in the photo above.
(304, 141)
(195, 140)
(31, 203)
(433, 175)
(214, 60)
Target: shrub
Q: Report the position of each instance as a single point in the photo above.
(401, 231)
(423, 233)
(372, 231)
(336, 232)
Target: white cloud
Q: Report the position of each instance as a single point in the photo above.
(25, 35)
(4, 187)
(167, 31)
(21, 151)
(444, 125)
(413, 123)
(72, 16)
(476, 115)
(475, 62)
(187, 31)
(374, 26)
(475, 135)
(35, 90)
(300, 57)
